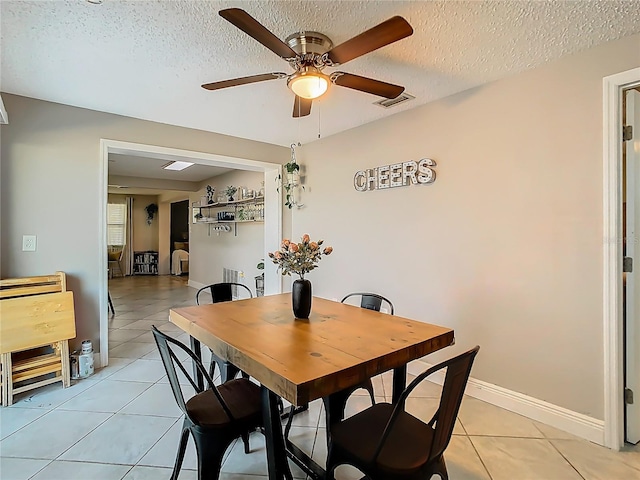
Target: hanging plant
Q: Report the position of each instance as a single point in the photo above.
(290, 183)
(151, 210)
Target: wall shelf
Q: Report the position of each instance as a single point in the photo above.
(211, 213)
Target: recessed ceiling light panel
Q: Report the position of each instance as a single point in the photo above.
(177, 165)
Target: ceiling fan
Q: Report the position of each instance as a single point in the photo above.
(308, 53)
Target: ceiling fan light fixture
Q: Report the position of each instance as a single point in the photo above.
(308, 83)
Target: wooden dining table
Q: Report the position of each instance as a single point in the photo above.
(337, 347)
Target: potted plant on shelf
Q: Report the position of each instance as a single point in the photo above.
(230, 192)
(151, 210)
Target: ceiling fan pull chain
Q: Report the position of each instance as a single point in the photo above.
(319, 110)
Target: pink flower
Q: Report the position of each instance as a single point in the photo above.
(278, 255)
(313, 245)
(305, 238)
(293, 247)
(285, 243)
(328, 250)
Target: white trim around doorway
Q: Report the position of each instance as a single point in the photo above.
(612, 256)
(272, 223)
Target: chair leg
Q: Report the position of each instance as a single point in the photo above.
(440, 468)
(245, 440)
(369, 388)
(210, 450)
(182, 447)
(228, 371)
(113, 310)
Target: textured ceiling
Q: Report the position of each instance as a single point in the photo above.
(147, 59)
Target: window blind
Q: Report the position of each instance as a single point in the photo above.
(116, 223)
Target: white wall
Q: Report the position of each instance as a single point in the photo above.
(50, 176)
(209, 252)
(506, 246)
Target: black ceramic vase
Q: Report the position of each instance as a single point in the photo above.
(301, 298)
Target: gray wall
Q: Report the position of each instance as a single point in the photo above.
(50, 173)
(506, 246)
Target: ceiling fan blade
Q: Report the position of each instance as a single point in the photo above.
(255, 29)
(243, 80)
(301, 107)
(364, 84)
(392, 30)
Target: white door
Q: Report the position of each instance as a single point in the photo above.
(632, 245)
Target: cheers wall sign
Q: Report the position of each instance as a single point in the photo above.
(395, 175)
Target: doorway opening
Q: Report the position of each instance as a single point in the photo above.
(179, 238)
(272, 226)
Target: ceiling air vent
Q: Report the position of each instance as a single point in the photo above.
(392, 102)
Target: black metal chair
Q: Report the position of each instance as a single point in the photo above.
(385, 442)
(223, 292)
(215, 416)
(370, 301)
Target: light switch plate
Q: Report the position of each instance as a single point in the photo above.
(28, 243)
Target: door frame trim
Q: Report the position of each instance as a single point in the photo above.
(612, 255)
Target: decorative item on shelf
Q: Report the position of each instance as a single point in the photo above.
(291, 181)
(261, 191)
(299, 258)
(210, 192)
(260, 279)
(221, 228)
(151, 210)
(230, 191)
(198, 216)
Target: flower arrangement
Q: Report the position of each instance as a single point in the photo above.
(299, 258)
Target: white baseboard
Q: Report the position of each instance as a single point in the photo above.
(569, 421)
(196, 285)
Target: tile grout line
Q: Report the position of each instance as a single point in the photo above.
(565, 458)
(80, 439)
(486, 469)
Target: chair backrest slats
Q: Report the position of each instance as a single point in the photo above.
(458, 370)
(452, 393)
(222, 292)
(370, 301)
(170, 360)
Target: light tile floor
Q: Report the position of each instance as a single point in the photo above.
(122, 423)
